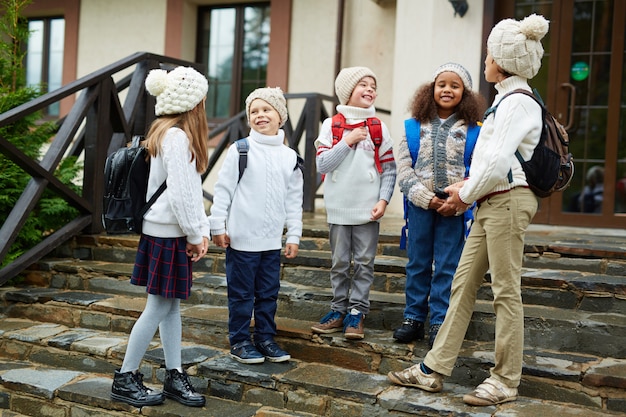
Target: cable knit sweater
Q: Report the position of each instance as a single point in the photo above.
(255, 211)
(353, 186)
(515, 125)
(179, 211)
(439, 163)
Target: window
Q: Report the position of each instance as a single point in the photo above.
(234, 45)
(44, 56)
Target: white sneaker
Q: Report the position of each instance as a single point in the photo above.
(490, 392)
(414, 377)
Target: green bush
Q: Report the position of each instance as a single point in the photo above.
(30, 135)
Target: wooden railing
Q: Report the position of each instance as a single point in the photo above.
(98, 124)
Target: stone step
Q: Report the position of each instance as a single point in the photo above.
(576, 341)
(568, 310)
(587, 286)
(51, 369)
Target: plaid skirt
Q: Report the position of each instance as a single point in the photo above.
(163, 267)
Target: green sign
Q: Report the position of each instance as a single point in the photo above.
(580, 71)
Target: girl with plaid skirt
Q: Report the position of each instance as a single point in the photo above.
(175, 234)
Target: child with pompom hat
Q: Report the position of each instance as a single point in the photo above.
(506, 206)
(175, 234)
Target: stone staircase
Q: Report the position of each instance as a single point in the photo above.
(64, 330)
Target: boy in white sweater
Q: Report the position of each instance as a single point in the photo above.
(248, 217)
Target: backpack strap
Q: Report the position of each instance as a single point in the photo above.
(412, 132)
(470, 144)
(242, 146)
(154, 198)
(338, 123)
(374, 126)
(376, 133)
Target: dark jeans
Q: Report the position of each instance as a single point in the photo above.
(253, 280)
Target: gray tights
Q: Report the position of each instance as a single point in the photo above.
(163, 313)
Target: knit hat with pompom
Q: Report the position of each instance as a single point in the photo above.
(516, 45)
(177, 91)
(347, 79)
(274, 97)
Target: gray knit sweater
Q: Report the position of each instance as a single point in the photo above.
(439, 161)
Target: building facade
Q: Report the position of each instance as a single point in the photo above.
(300, 45)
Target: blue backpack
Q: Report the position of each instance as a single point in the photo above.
(412, 130)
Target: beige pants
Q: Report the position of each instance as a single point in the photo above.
(495, 243)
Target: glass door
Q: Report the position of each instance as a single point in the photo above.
(583, 82)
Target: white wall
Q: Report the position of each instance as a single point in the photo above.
(110, 30)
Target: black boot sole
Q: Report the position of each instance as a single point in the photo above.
(190, 403)
(136, 403)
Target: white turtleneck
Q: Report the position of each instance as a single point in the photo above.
(255, 211)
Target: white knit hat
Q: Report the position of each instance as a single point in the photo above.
(177, 91)
(273, 96)
(459, 70)
(516, 45)
(347, 79)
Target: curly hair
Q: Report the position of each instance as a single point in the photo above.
(423, 107)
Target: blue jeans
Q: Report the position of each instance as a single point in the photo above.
(253, 280)
(434, 247)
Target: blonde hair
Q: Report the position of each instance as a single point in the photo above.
(193, 123)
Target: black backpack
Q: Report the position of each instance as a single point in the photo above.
(551, 166)
(125, 185)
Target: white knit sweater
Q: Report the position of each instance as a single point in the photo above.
(352, 185)
(179, 211)
(516, 125)
(268, 199)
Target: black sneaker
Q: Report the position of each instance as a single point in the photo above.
(272, 352)
(128, 387)
(245, 352)
(178, 387)
(432, 334)
(409, 331)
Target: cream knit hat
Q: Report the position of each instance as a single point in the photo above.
(177, 91)
(347, 79)
(516, 45)
(273, 96)
(459, 70)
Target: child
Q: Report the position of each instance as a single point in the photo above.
(442, 113)
(248, 217)
(505, 208)
(360, 174)
(175, 233)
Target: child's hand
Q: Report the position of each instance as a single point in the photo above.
(196, 252)
(379, 210)
(222, 240)
(291, 250)
(454, 200)
(356, 136)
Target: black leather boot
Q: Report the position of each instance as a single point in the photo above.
(178, 387)
(409, 331)
(128, 387)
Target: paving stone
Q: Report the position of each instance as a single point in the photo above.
(97, 345)
(37, 333)
(189, 355)
(422, 403)
(67, 338)
(224, 368)
(324, 379)
(38, 382)
(609, 372)
(79, 298)
(31, 295)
